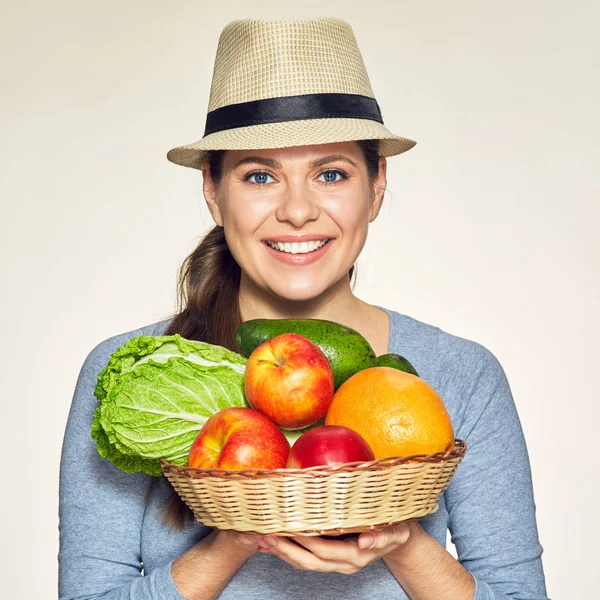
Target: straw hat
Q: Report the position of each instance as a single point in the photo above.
(289, 83)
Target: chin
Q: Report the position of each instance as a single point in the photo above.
(300, 289)
(298, 294)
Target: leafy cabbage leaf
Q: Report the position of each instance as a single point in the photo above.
(129, 464)
(155, 394)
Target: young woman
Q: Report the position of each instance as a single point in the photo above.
(294, 170)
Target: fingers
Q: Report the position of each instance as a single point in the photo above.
(390, 536)
(267, 542)
(334, 550)
(302, 558)
(326, 555)
(254, 541)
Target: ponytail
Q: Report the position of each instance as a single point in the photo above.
(209, 284)
(208, 288)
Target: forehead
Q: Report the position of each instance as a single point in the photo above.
(298, 155)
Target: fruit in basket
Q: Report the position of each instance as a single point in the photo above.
(328, 445)
(290, 380)
(237, 439)
(346, 350)
(397, 413)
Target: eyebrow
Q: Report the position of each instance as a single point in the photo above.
(332, 158)
(273, 164)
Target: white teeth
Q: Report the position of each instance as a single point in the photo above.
(297, 248)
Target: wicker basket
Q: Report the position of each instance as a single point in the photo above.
(321, 500)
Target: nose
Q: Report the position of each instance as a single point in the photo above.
(298, 205)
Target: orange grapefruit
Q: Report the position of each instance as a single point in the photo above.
(397, 413)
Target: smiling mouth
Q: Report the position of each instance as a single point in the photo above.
(297, 247)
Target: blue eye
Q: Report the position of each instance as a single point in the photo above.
(263, 178)
(258, 177)
(333, 176)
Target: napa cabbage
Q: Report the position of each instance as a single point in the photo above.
(155, 394)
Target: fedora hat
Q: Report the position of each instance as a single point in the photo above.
(289, 83)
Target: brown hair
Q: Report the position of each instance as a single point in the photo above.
(208, 286)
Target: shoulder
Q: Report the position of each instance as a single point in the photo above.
(435, 349)
(84, 401)
(464, 372)
(98, 357)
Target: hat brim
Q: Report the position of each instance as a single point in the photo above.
(291, 133)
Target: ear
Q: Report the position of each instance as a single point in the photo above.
(379, 187)
(209, 189)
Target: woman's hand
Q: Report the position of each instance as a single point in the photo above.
(250, 542)
(342, 556)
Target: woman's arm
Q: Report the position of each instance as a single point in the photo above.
(490, 500)
(204, 570)
(101, 516)
(422, 567)
(490, 506)
(427, 571)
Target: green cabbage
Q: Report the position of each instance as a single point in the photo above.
(155, 394)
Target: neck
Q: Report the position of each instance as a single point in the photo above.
(337, 303)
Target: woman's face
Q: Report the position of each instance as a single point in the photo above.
(296, 218)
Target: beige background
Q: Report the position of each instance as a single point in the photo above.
(490, 229)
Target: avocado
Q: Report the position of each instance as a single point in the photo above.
(396, 362)
(347, 350)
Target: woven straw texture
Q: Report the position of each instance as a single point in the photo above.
(267, 59)
(320, 500)
(258, 59)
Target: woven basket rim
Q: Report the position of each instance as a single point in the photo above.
(458, 451)
(336, 531)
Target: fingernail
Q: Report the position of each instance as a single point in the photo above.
(366, 541)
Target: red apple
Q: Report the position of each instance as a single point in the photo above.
(289, 379)
(239, 438)
(328, 445)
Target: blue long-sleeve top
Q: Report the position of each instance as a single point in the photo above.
(114, 546)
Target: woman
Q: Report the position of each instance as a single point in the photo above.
(294, 169)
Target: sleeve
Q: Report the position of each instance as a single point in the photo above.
(101, 510)
(490, 500)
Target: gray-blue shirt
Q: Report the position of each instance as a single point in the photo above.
(113, 544)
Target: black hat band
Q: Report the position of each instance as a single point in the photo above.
(293, 108)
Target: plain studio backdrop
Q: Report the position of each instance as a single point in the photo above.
(489, 229)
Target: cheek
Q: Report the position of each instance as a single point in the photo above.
(241, 219)
(351, 214)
